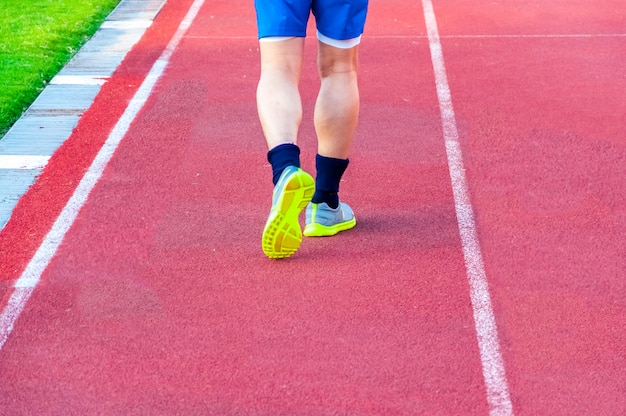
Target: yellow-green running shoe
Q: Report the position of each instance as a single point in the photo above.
(323, 221)
(282, 234)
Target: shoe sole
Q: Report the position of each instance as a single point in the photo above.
(319, 230)
(282, 234)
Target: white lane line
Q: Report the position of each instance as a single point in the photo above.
(477, 36)
(537, 36)
(23, 161)
(29, 279)
(127, 24)
(78, 80)
(494, 374)
(12, 311)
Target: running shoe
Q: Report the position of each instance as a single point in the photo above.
(323, 221)
(282, 234)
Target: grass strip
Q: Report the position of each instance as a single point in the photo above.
(37, 38)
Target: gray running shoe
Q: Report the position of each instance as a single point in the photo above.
(323, 221)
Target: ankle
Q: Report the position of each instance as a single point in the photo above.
(330, 198)
(329, 173)
(282, 156)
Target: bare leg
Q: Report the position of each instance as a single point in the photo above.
(278, 98)
(337, 106)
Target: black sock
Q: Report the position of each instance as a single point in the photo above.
(282, 156)
(329, 173)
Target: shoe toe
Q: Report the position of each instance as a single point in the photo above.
(348, 214)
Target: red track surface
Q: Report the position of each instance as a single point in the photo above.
(160, 301)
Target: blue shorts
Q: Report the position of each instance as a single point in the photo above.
(335, 19)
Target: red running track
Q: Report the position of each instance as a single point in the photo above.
(159, 299)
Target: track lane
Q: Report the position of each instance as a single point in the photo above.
(540, 110)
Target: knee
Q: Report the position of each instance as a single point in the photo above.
(332, 60)
(283, 58)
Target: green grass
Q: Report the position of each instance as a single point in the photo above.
(37, 38)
